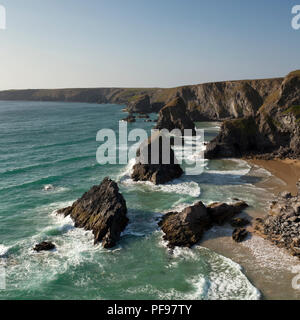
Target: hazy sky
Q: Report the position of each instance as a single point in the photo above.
(145, 43)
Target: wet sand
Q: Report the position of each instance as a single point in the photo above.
(268, 267)
(286, 170)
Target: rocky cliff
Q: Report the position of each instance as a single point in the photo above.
(273, 131)
(210, 101)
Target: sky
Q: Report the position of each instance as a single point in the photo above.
(145, 43)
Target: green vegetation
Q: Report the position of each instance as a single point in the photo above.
(295, 110)
(245, 126)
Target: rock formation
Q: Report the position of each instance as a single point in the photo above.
(139, 104)
(174, 116)
(273, 132)
(282, 225)
(239, 222)
(239, 234)
(185, 229)
(103, 210)
(44, 246)
(164, 169)
(221, 213)
(208, 101)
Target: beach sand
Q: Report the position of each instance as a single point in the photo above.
(286, 170)
(268, 267)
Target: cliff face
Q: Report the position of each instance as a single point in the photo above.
(211, 101)
(274, 130)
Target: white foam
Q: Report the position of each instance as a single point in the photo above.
(3, 250)
(270, 256)
(188, 188)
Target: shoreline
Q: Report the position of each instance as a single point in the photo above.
(287, 170)
(267, 267)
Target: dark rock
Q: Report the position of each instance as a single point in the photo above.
(186, 228)
(239, 234)
(44, 246)
(165, 168)
(174, 116)
(273, 132)
(239, 222)
(130, 119)
(220, 212)
(140, 104)
(103, 210)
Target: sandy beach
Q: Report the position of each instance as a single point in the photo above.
(286, 170)
(268, 267)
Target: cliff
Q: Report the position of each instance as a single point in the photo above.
(210, 101)
(273, 132)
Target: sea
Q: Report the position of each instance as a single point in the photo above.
(48, 160)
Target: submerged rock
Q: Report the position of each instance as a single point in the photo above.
(130, 119)
(103, 210)
(174, 116)
(165, 168)
(44, 246)
(185, 229)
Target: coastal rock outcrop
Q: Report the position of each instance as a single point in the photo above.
(186, 228)
(103, 210)
(207, 101)
(165, 167)
(273, 132)
(221, 213)
(282, 225)
(174, 116)
(44, 246)
(139, 104)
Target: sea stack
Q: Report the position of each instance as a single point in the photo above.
(103, 210)
(186, 228)
(165, 167)
(174, 116)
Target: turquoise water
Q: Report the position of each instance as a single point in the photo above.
(46, 143)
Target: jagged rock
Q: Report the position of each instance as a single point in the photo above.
(103, 210)
(273, 132)
(174, 116)
(165, 169)
(44, 246)
(185, 229)
(239, 234)
(140, 104)
(221, 212)
(239, 222)
(282, 225)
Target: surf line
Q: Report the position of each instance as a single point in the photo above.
(117, 310)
